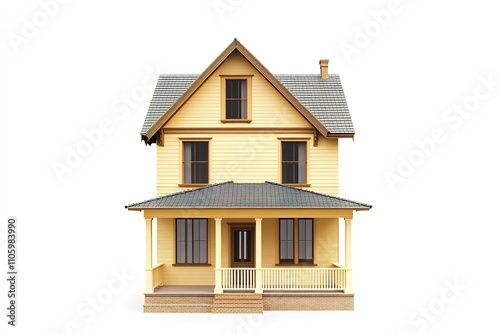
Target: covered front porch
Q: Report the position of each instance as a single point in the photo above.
(252, 275)
(280, 254)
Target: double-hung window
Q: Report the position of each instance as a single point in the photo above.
(293, 162)
(195, 162)
(236, 98)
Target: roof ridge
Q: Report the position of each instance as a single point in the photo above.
(306, 74)
(179, 74)
(317, 193)
(179, 193)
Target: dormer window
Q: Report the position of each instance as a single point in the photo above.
(236, 99)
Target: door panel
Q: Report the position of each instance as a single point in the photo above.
(242, 244)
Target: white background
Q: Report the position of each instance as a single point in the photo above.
(439, 225)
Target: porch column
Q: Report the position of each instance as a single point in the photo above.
(347, 264)
(149, 256)
(258, 255)
(218, 255)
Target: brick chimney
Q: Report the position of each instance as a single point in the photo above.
(323, 65)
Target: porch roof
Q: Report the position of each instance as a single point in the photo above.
(247, 195)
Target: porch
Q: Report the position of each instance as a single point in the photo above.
(248, 248)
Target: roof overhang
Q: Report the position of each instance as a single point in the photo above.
(245, 213)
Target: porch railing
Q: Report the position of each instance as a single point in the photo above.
(238, 278)
(304, 278)
(157, 275)
(286, 278)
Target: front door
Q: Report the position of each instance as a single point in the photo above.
(243, 246)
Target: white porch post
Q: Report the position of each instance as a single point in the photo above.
(258, 255)
(347, 264)
(218, 255)
(149, 256)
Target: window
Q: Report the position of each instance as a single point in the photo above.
(294, 163)
(236, 99)
(195, 162)
(306, 240)
(191, 241)
(292, 238)
(286, 241)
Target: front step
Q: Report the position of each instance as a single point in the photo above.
(238, 303)
(177, 308)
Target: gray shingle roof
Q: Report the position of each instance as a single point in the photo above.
(324, 99)
(169, 89)
(248, 195)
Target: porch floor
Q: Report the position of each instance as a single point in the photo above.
(209, 291)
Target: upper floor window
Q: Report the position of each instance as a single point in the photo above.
(293, 162)
(236, 99)
(195, 162)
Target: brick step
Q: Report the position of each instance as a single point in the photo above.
(178, 308)
(237, 302)
(238, 309)
(242, 296)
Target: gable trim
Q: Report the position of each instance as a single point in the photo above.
(235, 46)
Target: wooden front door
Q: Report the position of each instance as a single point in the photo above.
(242, 246)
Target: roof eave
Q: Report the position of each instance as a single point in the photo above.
(340, 135)
(248, 208)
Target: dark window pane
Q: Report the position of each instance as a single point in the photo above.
(286, 240)
(288, 172)
(287, 151)
(305, 240)
(203, 251)
(237, 246)
(201, 151)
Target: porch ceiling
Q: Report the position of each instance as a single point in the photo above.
(266, 197)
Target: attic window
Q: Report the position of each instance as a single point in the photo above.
(236, 99)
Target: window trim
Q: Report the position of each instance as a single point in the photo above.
(296, 261)
(305, 140)
(248, 78)
(181, 162)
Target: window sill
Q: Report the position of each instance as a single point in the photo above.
(296, 265)
(193, 185)
(236, 121)
(300, 185)
(191, 265)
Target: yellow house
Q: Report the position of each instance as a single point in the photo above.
(247, 213)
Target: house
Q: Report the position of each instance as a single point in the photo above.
(247, 214)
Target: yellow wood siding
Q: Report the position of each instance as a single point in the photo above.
(326, 247)
(251, 158)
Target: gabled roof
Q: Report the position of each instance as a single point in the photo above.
(248, 195)
(172, 91)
